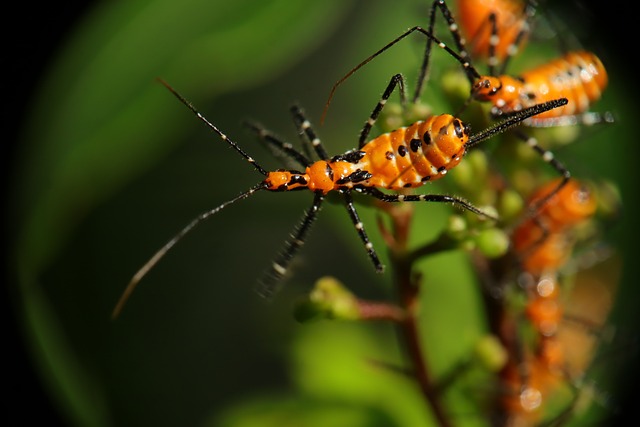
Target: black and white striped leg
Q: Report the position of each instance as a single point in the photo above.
(396, 81)
(304, 128)
(514, 48)
(268, 285)
(549, 158)
(529, 10)
(494, 39)
(589, 118)
(346, 193)
(277, 146)
(440, 198)
(457, 37)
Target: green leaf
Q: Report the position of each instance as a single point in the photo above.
(101, 110)
(100, 119)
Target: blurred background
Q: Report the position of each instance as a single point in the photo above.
(103, 166)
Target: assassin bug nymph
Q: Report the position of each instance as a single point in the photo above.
(498, 28)
(405, 158)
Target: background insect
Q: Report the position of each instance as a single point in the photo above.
(405, 158)
(496, 29)
(541, 369)
(577, 75)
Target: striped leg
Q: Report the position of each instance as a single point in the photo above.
(589, 118)
(525, 29)
(279, 148)
(396, 80)
(360, 229)
(267, 286)
(549, 158)
(440, 198)
(453, 28)
(304, 128)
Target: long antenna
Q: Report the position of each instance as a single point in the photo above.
(213, 127)
(514, 120)
(466, 65)
(163, 250)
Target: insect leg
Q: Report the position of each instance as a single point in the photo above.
(441, 198)
(549, 158)
(458, 39)
(360, 229)
(277, 146)
(588, 118)
(272, 277)
(396, 80)
(304, 128)
(525, 28)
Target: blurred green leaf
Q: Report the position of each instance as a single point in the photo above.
(95, 124)
(350, 363)
(274, 410)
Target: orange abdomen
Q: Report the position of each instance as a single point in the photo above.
(578, 76)
(410, 156)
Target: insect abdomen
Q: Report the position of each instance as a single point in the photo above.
(578, 76)
(410, 156)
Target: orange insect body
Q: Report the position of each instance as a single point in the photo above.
(404, 158)
(540, 256)
(578, 76)
(544, 309)
(544, 244)
(473, 17)
(524, 398)
(542, 239)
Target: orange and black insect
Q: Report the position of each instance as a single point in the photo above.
(543, 244)
(578, 76)
(405, 158)
(496, 29)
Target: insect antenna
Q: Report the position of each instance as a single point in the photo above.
(163, 250)
(224, 137)
(471, 72)
(200, 218)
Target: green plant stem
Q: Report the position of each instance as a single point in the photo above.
(407, 286)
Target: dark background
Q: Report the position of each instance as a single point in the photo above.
(37, 33)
